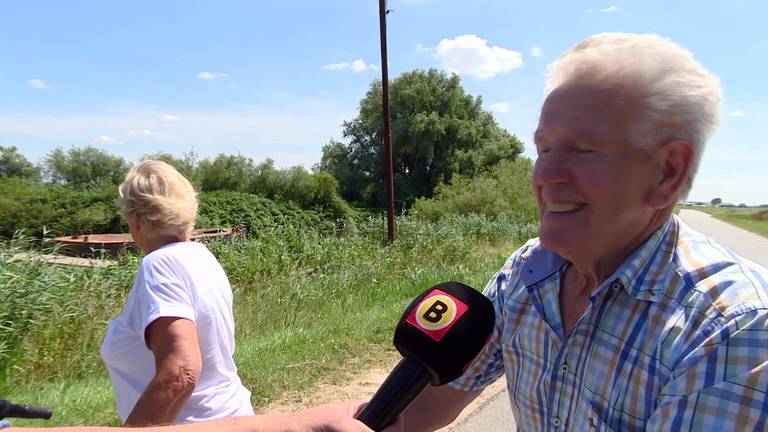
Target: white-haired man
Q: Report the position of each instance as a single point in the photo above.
(619, 316)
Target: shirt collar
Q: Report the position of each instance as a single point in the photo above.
(642, 275)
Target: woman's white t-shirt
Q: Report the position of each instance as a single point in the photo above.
(178, 280)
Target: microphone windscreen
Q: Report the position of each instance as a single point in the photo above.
(444, 329)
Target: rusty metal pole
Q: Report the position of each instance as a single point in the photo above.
(389, 180)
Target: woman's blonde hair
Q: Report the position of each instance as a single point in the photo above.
(161, 197)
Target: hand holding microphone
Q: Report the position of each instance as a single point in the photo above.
(439, 334)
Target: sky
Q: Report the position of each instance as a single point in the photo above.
(277, 78)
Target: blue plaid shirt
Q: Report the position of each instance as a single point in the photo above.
(676, 339)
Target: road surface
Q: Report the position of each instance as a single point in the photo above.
(494, 413)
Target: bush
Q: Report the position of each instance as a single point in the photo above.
(60, 210)
(503, 190)
(254, 212)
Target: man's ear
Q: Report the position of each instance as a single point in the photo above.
(674, 161)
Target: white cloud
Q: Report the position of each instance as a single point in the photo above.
(536, 51)
(373, 67)
(139, 132)
(421, 48)
(609, 9)
(211, 75)
(471, 55)
(738, 113)
(500, 107)
(356, 66)
(105, 139)
(336, 66)
(37, 84)
(169, 118)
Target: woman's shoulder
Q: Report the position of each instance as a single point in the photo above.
(174, 255)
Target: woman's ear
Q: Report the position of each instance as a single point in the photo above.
(674, 161)
(134, 222)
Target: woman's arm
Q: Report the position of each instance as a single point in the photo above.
(174, 343)
(326, 418)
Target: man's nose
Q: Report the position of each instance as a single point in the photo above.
(550, 168)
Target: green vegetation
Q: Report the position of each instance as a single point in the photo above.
(755, 220)
(438, 131)
(14, 164)
(304, 301)
(36, 207)
(503, 190)
(317, 289)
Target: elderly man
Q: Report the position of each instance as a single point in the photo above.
(619, 316)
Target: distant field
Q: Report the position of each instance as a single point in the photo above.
(752, 219)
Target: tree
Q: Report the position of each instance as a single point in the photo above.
(505, 189)
(81, 166)
(716, 201)
(186, 165)
(438, 131)
(14, 164)
(226, 172)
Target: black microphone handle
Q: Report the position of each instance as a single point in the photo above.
(8, 409)
(404, 384)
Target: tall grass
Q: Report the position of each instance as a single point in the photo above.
(308, 306)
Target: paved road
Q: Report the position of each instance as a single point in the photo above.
(495, 414)
(745, 243)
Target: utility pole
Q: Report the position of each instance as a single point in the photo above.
(389, 180)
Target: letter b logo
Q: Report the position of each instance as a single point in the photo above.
(436, 313)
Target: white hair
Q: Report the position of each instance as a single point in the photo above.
(681, 99)
(162, 197)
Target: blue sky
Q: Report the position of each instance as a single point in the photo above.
(276, 78)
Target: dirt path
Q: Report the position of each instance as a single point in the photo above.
(362, 387)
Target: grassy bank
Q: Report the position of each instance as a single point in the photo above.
(755, 220)
(308, 306)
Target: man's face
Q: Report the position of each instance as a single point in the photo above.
(591, 183)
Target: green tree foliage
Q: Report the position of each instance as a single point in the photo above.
(716, 201)
(438, 131)
(186, 164)
(59, 209)
(295, 184)
(254, 212)
(81, 166)
(14, 164)
(226, 172)
(503, 190)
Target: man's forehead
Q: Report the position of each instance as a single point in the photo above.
(587, 109)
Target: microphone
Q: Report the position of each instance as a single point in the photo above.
(439, 335)
(8, 409)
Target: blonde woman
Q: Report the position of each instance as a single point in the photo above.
(169, 352)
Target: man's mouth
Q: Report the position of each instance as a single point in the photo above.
(563, 207)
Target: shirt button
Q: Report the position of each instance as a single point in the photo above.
(615, 285)
(556, 421)
(564, 368)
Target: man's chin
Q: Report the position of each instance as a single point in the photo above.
(558, 242)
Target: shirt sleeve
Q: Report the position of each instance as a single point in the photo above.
(163, 292)
(721, 383)
(489, 364)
